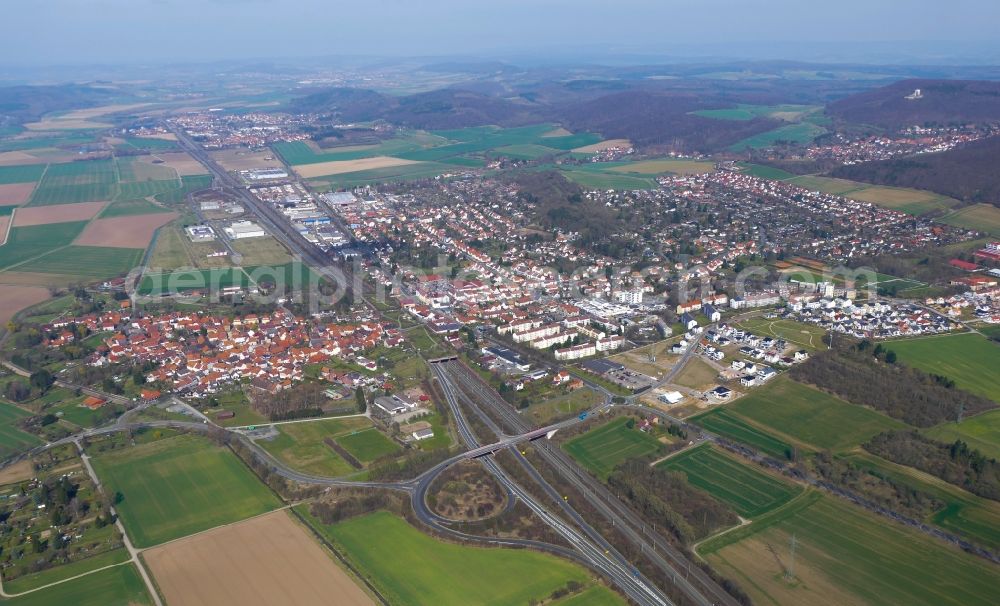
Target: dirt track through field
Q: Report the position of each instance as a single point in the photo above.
(123, 232)
(60, 213)
(267, 560)
(4, 228)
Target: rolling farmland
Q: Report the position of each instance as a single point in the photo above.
(84, 181)
(969, 359)
(811, 417)
(982, 432)
(845, 555)
(728, 425)
(964, 513)
(25, 243)
(750, 492)
(601, 449)
(86, 261)
(911, 201)
(176, 486)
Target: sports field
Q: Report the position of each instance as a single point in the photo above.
(270, 559)
(806, 336)
(301, 445)
(982, 432)
(728, 425)
(117, 586)
(844, 555)
(177, 486)
(750, 492)
(970, 359)
(964, 513)
(810, 416)
(409, 567)
(981, 217)
(368, 445)
(603, 448)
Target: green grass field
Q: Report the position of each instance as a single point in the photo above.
(597, 595)
(25, 243)
(12, 439)
(525, 151)
(118, 586)
(123, 208)
(188, 184)
(981, 217)
(65, 571)
(810, 416)
(744, 112)
(300, 445)
(728, 425)
(603, 448)
(981, 432)
(26, 173)
(748, 491)
(964, 513)
(765, 172)
(845, 555)
(910, 201)
(409, 567)
(593, 179)
(84, 181)
(970, 359)
(368, 445)
(86, 261)
(142, 189)
(178, 486)
(801, 133)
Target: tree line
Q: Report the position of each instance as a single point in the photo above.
(870, 377)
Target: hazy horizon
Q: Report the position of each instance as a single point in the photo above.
(64, 32)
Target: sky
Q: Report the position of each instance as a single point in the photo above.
(63, 32)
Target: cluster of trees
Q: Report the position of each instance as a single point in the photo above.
(864, 375)
(875, 487)
(355, 503)
(414, 462)
(298, 401)
(955, 463)
(667, 498)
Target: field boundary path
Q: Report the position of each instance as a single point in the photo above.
(132, 551)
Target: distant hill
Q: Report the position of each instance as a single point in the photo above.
(942, 102)
(651, 119)
(439, 109)
(970, 173)
(30, 103)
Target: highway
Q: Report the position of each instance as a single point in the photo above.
(625, 577)
(695, 583)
